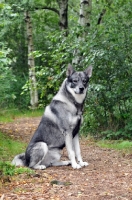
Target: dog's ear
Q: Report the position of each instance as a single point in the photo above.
(70, 70)
(88, 71)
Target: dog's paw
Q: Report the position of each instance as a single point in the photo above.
(76, 166)
(40, 167)
(83, 164)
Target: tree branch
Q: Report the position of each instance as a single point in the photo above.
(109, 2)
(101, 16)
(48, 8)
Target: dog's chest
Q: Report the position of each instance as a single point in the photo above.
(71, 107)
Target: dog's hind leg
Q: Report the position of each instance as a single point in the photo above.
(37, 155)
(52, 158)
(61, 163)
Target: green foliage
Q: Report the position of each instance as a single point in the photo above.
(7, 79)
(7, 169)
(10, 84)
(13, 56)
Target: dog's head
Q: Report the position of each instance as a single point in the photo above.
(77, 82)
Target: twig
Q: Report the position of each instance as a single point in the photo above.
(2, 197)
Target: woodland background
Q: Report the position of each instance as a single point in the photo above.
(38, 38)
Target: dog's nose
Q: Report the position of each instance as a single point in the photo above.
(81, 89)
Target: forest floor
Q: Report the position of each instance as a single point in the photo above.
(108, 175)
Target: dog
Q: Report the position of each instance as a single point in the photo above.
(59, 126)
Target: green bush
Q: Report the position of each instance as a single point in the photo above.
(109, 101)
(7, 79)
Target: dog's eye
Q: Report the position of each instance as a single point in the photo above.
(75, 81)
(84, 81)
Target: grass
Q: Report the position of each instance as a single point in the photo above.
(8, 149)
(125, 146)
(10, 114)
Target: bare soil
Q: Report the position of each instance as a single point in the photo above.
(108, 175)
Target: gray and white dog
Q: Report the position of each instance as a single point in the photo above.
(59, 126)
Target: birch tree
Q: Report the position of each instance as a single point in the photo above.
(84, 22)
(63, 13)
(63, 23)
(85, 12)
(31, 63)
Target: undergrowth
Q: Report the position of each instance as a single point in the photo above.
(8, 149)
(125, 146)
(7, 169)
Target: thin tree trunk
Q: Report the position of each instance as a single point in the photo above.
(84, 21)
(63, 12)
(31, 63)
(85, 12)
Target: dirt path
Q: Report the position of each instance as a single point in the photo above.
(108, 176)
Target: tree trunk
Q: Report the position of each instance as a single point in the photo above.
(63, 12)
(85, 12)
(31, 63)
(84, 21)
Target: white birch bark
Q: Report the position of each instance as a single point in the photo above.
(84, 21)
(31, 63)
(85, 12)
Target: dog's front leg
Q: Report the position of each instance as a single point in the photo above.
(71, 153)
(78, 151)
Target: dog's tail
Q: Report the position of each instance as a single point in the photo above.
(19, 160)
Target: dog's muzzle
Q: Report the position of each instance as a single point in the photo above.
(79, 90)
